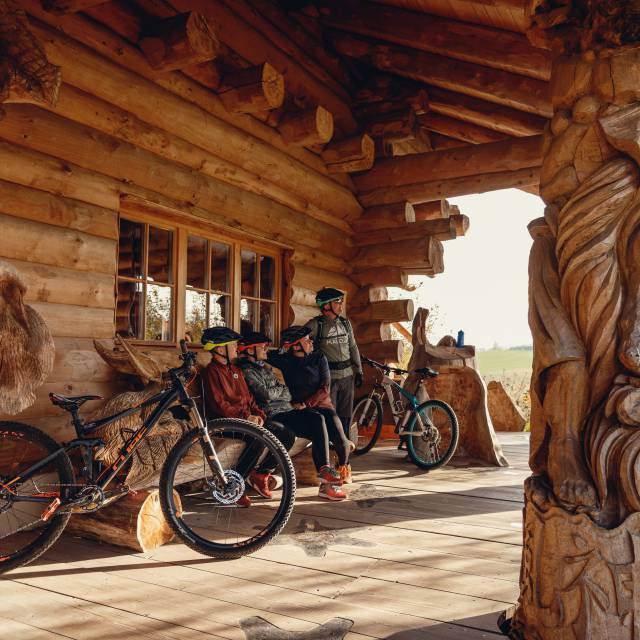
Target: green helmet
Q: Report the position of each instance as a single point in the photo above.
(327, 295)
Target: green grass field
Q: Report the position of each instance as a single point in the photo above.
(496, 361)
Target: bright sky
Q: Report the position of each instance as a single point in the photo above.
(483, 289)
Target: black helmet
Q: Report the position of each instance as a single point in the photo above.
(251, 339)
(293, 334)
(328, 294)
(218, 337)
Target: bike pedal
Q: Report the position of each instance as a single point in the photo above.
(51, 509)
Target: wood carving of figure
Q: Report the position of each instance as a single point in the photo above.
(26, 346)
(585, 266)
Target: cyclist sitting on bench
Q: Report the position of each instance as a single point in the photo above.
(226, 395)
(307, 375)
(274, 399)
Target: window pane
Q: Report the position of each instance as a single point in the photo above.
(267, 277)
(195, 321)
(159, 313)
(196, 262)
(219, 310)
(129, 310)
(160, 258)
(219, 266)
(248, 285)
(248, 315)
(268, 319)
(130, 249)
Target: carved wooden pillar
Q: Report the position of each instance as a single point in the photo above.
(580, 573)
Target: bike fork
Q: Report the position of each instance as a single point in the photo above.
(208, 448)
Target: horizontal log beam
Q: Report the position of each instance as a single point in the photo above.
(461, 224)
(385, 217)
(385, 311)
(315, 278)
(382, 276)
(352, 154)
(494, 85)
(482, 45)
(434, 210)
(179, 41)
(129, 83)
(252, 90)
(440, 142)
(418, 252)
(307, 128)
(443, 229)
(385, 95)
(451, 187)
(484, 113)
(389, 351)
(373, 332)
(459, 129)
(494, 157)
(69, 6)
(394, 126)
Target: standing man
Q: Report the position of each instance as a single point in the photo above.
(333, 335)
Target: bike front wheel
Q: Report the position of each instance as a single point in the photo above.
(220, 521)
(29, 520)
(433, 437)
(367, 417)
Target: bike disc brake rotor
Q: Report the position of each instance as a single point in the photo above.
(233, 491)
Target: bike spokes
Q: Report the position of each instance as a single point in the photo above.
(434, 435)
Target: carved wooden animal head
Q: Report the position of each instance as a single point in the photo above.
(26, 345)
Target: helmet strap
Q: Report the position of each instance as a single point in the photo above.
(327, 310)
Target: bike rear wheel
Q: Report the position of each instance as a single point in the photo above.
(24, 534)
(367, 416)
(212, 520)
(434, 434)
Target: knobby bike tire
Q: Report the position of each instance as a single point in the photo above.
(378, 427)
(191, 538)
(61, 464)
(455, 435)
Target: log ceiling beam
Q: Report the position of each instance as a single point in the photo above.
(481, 45)
(259, 88)
(459, 129)
(443, 229)
(350, 155)
(495, 85)
(69, 6)
(486, 114)
(494, 157)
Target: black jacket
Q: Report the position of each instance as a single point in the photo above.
(305, 376)
(272, 396)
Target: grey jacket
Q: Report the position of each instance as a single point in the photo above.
(336, 340)
(272, 396)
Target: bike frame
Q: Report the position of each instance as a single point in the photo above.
(163, 399)
(409, 414)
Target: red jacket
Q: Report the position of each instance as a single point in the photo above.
(226, 394)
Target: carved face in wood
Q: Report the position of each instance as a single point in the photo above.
(26, 346)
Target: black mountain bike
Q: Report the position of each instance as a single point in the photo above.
(202, 480)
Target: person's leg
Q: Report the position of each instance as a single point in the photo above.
(286, 437)
(343, 400)
(336, 434)
(309, 424)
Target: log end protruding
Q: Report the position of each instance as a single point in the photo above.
(388, 351)
(252, 90)
(179, 41)
(434, 210)
(383, 277)
(385, 311)
(386, 216)
(350, 155)
(307, 128)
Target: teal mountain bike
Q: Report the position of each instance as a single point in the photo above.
(430, 429)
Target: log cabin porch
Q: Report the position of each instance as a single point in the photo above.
(409, 557)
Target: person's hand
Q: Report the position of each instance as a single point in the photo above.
(299, 405)
(358, 380)
(256, 420)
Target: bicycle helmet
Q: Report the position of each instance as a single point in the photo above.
(293, 334)
(327, 295)
(218, 337)
(251, 339)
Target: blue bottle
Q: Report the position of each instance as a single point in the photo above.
(460, 340)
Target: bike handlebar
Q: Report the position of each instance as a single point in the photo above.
(188, 360)
(424, 372)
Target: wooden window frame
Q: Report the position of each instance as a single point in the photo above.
(182, 229)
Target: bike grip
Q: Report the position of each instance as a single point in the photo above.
(183, 346)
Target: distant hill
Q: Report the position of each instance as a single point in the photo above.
(494, 361)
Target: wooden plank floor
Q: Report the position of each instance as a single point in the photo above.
(410, 556)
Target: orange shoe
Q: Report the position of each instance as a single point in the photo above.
(329, 475)
(331, 492)
(345, 473)
(260, 482)
(244, 502)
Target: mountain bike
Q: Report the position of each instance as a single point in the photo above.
(201, 482)
(430, 429)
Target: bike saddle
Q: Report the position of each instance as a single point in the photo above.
(425, 371)
(70, 403)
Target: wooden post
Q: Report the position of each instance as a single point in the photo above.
(581, 502)
(259, 88)
(349, 155)
(306, 128)
(179, 41)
